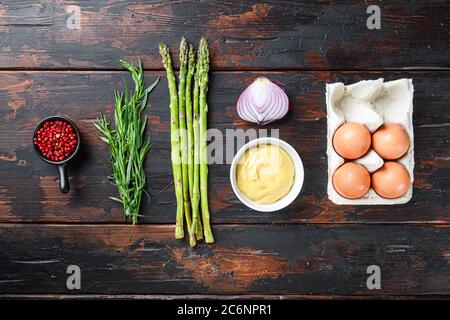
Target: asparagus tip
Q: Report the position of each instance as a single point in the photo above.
(165, 55)
(183, 51)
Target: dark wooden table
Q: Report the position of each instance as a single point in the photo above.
(313, 248)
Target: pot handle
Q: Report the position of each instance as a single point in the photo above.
(63, 178)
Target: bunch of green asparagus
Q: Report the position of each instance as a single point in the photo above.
(188, 125)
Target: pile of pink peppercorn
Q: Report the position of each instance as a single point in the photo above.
(56, 140)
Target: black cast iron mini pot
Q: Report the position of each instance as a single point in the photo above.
(64, 185)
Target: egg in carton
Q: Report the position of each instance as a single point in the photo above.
(371, 103)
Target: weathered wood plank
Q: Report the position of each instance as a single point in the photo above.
(29, 192)
(293, 259)
(243, 34)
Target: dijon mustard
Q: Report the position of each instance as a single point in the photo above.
(265, 174)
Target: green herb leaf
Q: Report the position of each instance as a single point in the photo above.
(126, 148)
(116, 199)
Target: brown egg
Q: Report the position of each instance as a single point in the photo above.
(391, 180)
(351, 140)
(351, 180)
(390, 141)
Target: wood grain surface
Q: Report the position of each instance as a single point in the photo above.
(243, 34)
(296, 259)
(311, 249)
(29, 191)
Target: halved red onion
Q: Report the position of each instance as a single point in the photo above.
(262, 102)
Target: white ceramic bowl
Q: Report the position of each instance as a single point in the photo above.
(298, 179)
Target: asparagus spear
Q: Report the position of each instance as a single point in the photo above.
(189, 119)
(174, 139)
(203, 62)
(196, 219)
(199, 232)
(196, 232)
(182, 126)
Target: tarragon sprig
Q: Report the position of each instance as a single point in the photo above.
(127, 144)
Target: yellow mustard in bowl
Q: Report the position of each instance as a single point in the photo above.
(265, 173)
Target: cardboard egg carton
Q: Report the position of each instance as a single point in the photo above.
(371, 103)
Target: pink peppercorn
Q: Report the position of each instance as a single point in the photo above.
(56, 140)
